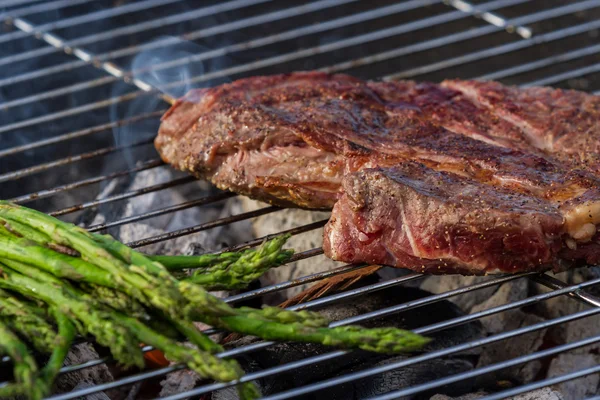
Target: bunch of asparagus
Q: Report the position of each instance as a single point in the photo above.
(58, 280)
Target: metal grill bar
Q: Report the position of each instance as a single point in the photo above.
(360, 39)
(202, 227)
(91, 17)
(565, 75)
(429, 300)
(69, 160)
(293, 231)
(461, 36)
(75, 185)
(228, 27)
(328, 300)
(38, 8)
(8, 3)
(80, 133)
(296, 282)
(545, 62)
(123, 196)
(117, 73)
(162, 211)
(444, 18)
(86, 56)
(580, 295)
(491, 17)
(476, 56)
(71, 111)
(268, 40)
(491, 368)
(243, 296)
(257, 346)
(426, 357)
(57, 92)
(136, 28)
(202, 33)
(410, 361)
(541, 384)
(329, 47)
(225, 354)
(38, 73)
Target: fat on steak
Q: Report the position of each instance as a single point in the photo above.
(391, 158)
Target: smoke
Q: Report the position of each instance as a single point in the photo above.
(174, 82)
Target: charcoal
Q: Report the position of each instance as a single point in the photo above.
(178, 382)
(210, 240)
(287, 219)
(562, 305)
(577, 388)
(93, 396)
(359, 360)
(466, 301)
(468, 396)
(540, 394)
(95, 375)
(410, 376)
(506, 321)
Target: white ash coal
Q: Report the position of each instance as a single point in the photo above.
(203, 241)
(539, 394)
(358, 360)
(96, 375)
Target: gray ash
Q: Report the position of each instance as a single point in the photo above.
(360, 360)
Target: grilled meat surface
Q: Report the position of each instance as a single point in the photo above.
(458, 177)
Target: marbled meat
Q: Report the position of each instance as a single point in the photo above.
(462, 176)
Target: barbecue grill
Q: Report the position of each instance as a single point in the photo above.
(83, 84)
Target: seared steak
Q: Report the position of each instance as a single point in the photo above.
(292, 140)
(414, 217)
(565, 123)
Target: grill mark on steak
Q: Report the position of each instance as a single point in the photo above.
(291, 139)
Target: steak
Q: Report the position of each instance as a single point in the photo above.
(406, 166)
(435, 221)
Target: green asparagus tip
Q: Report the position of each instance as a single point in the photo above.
(384, 340)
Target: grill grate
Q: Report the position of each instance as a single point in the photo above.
(69, 75)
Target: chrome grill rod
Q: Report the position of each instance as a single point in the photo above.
(80, 133)
(546, 382)
(488, 369)
(256, 43)
(85, 182)
(471, 34)
(503, 49)
(81, 19)
(159, 43)
(39, 8)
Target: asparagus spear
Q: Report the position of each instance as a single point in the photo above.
(115, 299)
(24, 366)
(224, 271)
(99, 323)
(250, 265)
(199, 263)
(200, 304)
(62, 343)
(205, 364)
(202, 362)
(28, 321)
(115, 325)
